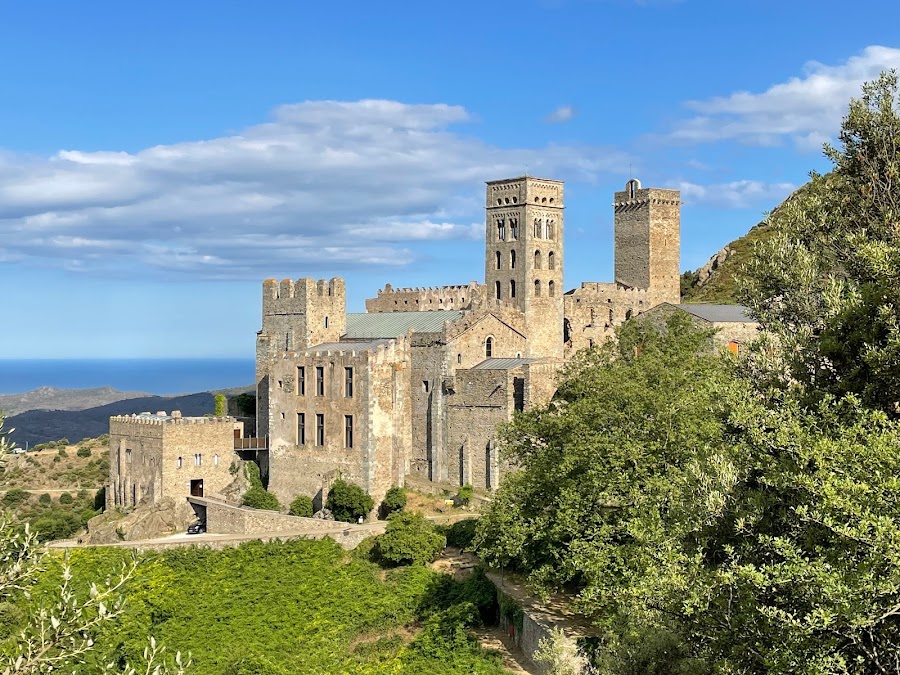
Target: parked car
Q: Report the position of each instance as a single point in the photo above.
(196, 528)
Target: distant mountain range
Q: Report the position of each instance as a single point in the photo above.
(48, 414)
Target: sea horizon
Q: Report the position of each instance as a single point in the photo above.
(160, 376)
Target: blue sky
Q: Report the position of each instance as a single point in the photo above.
(159, 160)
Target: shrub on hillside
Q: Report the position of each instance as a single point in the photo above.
(394, 500)
(56, 525)
(465, 494)
(83, 451)
(258, 498)
(62, 452)
(348, 502)
(65, 498)
(14, 497)
(410, 539)
(461, 534)
(302, 506)
(45, 499)
(104, 439)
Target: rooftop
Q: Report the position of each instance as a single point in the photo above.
(502, 364)
(373, 325)
(347, 346)
(718, 313)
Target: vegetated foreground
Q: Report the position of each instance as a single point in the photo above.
(291, 607)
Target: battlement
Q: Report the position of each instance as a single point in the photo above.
(161, 418)
(303, 288)
(390, 299)
(377, 351)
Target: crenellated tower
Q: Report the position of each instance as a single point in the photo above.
(648, 240)
(524, 256)
(296, 315)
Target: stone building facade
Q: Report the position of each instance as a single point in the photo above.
(418, 383)
(158, 456)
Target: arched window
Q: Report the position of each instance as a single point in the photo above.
(501, 230)
(537, 228)
(512, 260)
(551, 261)
(488, 347)
(514, 228)
(537, 260)
(551, 289)
(459, 358)
(498, 260)
(549, 229)
(497, 289)
(512, 289)
(537, 288)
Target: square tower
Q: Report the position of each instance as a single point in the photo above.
(523, 265)
(648, 240)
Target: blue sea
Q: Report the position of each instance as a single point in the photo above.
(154, 376)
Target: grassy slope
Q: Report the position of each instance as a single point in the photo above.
(296, 607)
(721, 287)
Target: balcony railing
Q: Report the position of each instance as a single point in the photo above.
(260, 443)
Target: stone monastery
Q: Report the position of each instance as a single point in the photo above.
(417, 384)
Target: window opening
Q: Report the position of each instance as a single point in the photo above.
(512, 260)
(537, 288)
(348, 431)
(301, 428)
(551, 261)
(537, 260)
(498, 260)
(348, 382)
(320, 380)
(497, 289)
(488, 347)
(320, 429)
(551, 289)
(512, 289)
(301, 381)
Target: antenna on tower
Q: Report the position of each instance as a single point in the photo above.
(526, 169)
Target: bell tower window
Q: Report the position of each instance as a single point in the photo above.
(537, 260)
(498, 260)
(551, 289)
(512, 260)
(551, 261)
(537, 288)
(497, 289)
(501, 230)
(512, 289)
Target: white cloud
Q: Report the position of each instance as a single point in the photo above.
(807, 110)
(323, 184)
(563, 113)
(736, 194)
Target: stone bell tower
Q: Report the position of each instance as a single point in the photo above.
(523, 265)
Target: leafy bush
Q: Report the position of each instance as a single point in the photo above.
(394, 500)
(11, 618)
(83, 451)
(253, 665)
(302, 506)
(45, 499)
(65, 498)
(56, 525)
(410, 539)
(466, 492)
(104, 439)
(100, 499)
(62, 452)
(348, 502)
(14, 497)
(246, 404)
(220, 405)
(258, 498)
(461, 534)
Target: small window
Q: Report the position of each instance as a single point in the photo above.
(198, 460)
(537, 288)
(459, 358)
(426, 386)
(514, 228)
(610, 316)
(326, 322)
(550, 229)
(216, 460)
(282, 415)
(178, 463)
(348, 431)
(348, 382)
(320, 429)
(551, 289)
(301, 381)
(301, 428)
(537, 228)
(501, 230)
(498, 259)
(551, 261)
(537, 260)
(280, 384)
(497, 289)
(320, 380)
(488, 347)
(512, 260)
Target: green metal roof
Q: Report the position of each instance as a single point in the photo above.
(395, 324)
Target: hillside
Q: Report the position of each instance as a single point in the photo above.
(41, 426)
(52, 398)
(715, 281)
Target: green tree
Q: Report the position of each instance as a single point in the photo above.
(302, 506)
(221, 405)
(348, 502)
(83, 451)
(65, 498)
(466, 492)
(257, 497)
(410, 539)
(825, 285)
(394, 500)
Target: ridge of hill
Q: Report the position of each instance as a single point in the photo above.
(716, 280)
(53, 398)
(42, 426)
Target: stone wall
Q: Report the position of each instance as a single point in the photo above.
(222, 518)
(392, 299)
(378, 409)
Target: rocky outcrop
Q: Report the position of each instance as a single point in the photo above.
(705, 272)
(144, 522)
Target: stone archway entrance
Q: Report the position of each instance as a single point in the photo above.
(197, 487)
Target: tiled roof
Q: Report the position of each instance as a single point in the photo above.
(718, 313)
(395, 324)
(502, 364)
